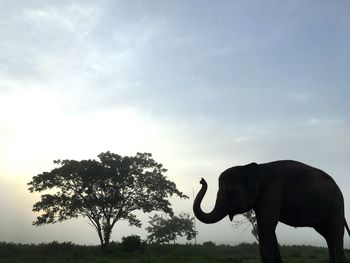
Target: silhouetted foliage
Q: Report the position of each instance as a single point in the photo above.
(132, 243)
(250, 217)
(164, 230)
(104, 191)
(209, 244)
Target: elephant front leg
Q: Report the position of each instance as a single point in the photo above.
(267, 210)
(269, 250)
(277, 255)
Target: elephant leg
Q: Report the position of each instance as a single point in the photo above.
(338, 249)
(335, 247)
(322, 230)
(268, 245)
(267, 212)
(277, 255)
(336, 236)
(333, 233)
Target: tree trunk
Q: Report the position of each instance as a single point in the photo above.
(106, 235)
(103, 248)
(104, 242)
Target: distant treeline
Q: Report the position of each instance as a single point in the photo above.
(208, 252)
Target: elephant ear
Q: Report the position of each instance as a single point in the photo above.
(252, 178)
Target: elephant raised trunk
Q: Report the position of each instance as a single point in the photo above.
(209, 218)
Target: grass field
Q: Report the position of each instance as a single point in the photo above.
(67, 252)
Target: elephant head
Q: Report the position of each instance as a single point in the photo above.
(238, 190)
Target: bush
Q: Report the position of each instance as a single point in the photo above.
(132, 243)
(209, 244)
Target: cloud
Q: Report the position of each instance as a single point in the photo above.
(74, 18)
(36, 40)
(244, 138)
(323, 122)
(300, 98)
(63, 53)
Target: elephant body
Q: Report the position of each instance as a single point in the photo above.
(305, 196)
(287, 191)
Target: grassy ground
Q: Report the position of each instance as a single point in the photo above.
(67, 252)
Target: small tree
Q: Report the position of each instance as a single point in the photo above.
(104, 191)
(164, 230)
(250, 217)
(131, 243)
(209, 244)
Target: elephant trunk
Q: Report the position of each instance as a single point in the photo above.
(214, 216)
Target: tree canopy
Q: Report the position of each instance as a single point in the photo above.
(104, 191)
(164, 230)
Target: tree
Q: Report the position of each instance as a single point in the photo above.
(104, 191)
(250, 217)
(164, 230)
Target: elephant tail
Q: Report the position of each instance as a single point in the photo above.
(347, 227)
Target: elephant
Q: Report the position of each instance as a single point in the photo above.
(284, 191)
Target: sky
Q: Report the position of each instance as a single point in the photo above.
(202, 85)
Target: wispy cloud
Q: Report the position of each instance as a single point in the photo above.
(301, 98)
(244, 138)
(323, 122)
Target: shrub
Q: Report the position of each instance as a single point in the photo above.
(132, 243)
(209, 244)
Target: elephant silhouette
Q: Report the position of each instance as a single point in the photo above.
(282, 191)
